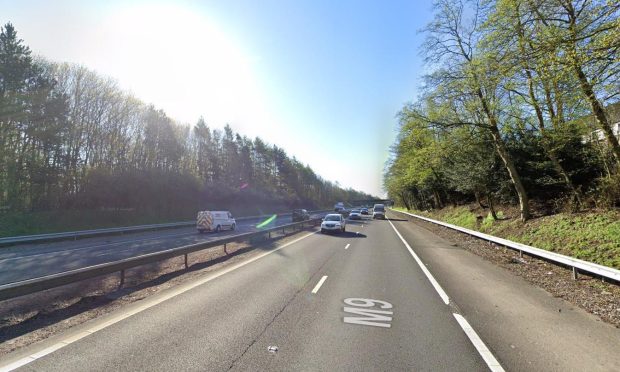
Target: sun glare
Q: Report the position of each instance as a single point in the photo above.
(180, 49)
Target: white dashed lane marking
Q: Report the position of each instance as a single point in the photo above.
(319, 284)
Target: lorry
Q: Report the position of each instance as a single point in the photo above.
(215, 221)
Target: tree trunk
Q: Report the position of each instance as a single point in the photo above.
(539, 115)
(576, 202)
(500, 146)
(478, 200)
(403, 197)
(598, 111)
(587, 88)
(491, 206)
(437, 199)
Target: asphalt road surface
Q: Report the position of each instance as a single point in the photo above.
(368, 299)
(23, 262)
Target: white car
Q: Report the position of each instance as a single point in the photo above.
(333, 223)
(355, 214)
(215, 221)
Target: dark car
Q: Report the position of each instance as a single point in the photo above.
(365, 211)
(300, 215)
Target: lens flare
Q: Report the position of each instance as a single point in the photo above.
(267, 221)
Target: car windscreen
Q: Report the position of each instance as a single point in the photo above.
(379, 209)
(332, 218)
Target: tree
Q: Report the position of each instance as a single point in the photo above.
(582, 36)
(468, 78)
(510, 31)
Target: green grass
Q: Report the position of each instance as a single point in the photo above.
(591, 236)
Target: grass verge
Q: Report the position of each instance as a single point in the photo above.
(592, 236)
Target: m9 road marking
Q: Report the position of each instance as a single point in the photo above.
(369, 315)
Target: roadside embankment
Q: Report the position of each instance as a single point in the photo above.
(592, 236)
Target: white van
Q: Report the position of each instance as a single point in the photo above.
(378, 211)
(215, 221)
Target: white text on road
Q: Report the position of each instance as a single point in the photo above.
(370, 317)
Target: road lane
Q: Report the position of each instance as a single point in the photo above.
(316, 333)
(527, 328)
(25, 262)
(230, 321)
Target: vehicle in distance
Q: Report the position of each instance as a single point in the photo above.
(355, 214)
(378, 211)
(364, 211)
(333, 223)
(300, 215)
(338, 207)
(215, 221)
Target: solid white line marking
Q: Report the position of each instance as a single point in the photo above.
(15, 365)
(148, 304)
(319, 284)
(428, 274)
(347, 247)
(485, 353)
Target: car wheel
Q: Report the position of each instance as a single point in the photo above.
(217, 229)
(201, 231)
(233, 227)
(322, 231)
(344, 228)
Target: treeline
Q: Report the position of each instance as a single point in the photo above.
(72, 139)
(520, 105)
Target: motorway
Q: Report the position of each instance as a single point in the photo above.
(386, 295)
(23, 262)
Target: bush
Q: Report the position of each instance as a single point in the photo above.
(609, 192)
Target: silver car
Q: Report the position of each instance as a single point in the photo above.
(333, 223)
(355, 214)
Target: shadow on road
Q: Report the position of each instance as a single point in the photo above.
(347, 234)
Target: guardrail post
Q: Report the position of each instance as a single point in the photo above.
(269, 234)
(225, 251)
(283, 233)
(520, 253)
(120, 285)
(575, 273)
(186, 260)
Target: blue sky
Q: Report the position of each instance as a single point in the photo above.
(322, 79)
